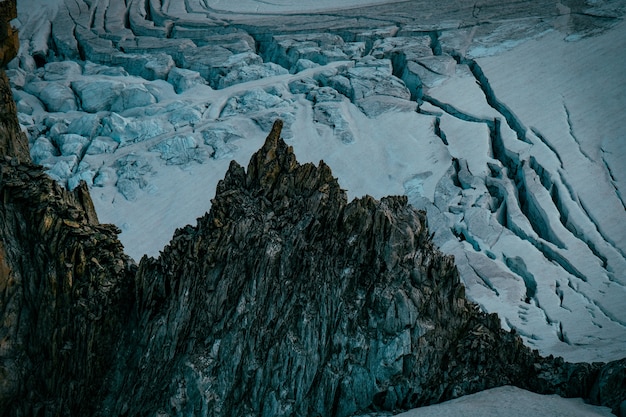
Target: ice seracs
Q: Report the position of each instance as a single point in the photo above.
(519, 171)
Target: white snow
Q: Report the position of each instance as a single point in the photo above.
(511, 402)
(287, 6)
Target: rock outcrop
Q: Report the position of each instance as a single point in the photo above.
(9, 40)
(285, 299)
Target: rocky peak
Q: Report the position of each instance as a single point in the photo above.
(283, 300)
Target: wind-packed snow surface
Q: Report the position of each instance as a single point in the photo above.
(504, 122)
(510, 402)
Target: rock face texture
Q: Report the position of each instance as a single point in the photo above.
(8, 35)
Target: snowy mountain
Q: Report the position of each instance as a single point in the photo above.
(502, 121)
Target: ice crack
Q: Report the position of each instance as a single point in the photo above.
(518, 266)
(571, 132)
(440, 133)
(490, 95)
(613, 179)
(548, 144)
(453, 111)
(484, 279)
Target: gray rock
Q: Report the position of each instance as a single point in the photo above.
(379, 323)
(282, 297)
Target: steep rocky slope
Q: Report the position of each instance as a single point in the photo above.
(285, 299)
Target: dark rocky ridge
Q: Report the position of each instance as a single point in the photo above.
(285, 299)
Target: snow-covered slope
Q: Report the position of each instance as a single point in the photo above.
(511, 402)
(503, 122)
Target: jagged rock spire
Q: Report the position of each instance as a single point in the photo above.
(284, 300)
(306, 304)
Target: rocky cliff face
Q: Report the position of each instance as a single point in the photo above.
(9, 41)
(283, 300)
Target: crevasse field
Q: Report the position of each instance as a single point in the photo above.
(503, 120)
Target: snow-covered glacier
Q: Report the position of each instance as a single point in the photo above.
(504, 121)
